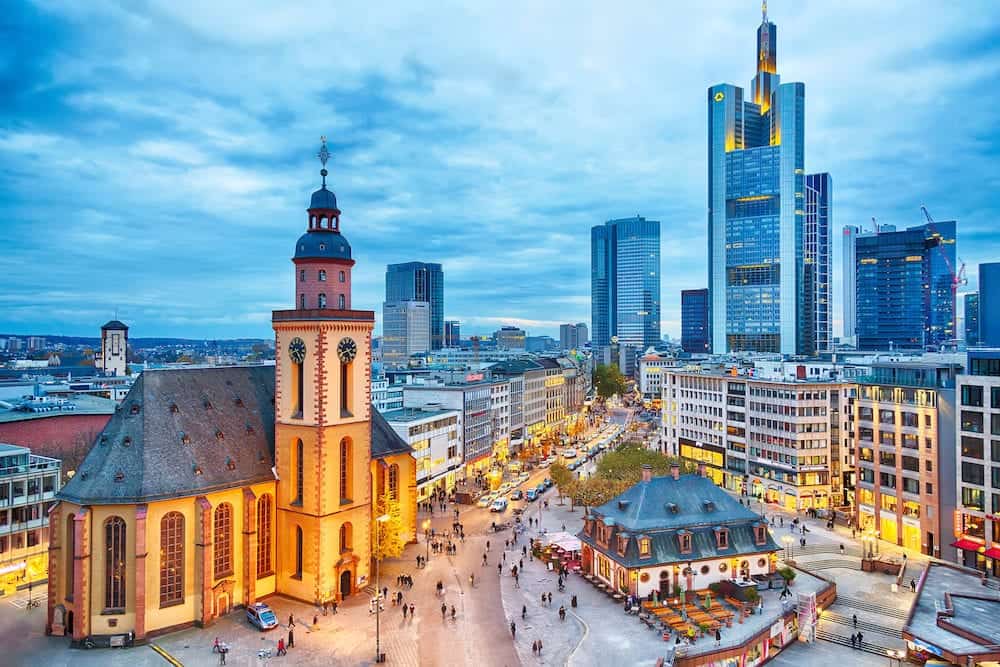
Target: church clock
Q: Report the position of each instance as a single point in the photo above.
(297, 350)
(347, 349)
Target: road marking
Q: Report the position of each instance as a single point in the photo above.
(586, 633)
(166, 656)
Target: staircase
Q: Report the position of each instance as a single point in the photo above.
(864, 626)
(867, 647)
(879, 609)
(811, 566)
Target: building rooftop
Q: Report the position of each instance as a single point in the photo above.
(76, 404)
(403, 415)
(7, 449)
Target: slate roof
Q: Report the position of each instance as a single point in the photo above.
(515, 366)
(323, 198)
(322, 244)
(190, 431)
(663, 508)
(114, 325)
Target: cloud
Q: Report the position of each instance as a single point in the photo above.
(157, 157)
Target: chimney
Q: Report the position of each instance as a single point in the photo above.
(675, 470)
(647, 472)
(701, 470)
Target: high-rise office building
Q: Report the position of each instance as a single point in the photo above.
(419, 281)
(989, 304)
(625, 282)
(816, 333)
(452, 333)
(694, 320)
(405, 331)
(850, 306)
(972, 319)
(757, 210)
(509, 338)
(904, 297)
(572, 336)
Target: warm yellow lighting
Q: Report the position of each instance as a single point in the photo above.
(719, 96)
(914, 258)
(754, 198)
(383, 518)
(869, 260)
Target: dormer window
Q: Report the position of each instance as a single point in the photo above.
(645, 547)
(185, 439)
(174, 409)
(220, 436)
(672, 508)
(684, 541)
(622, 544)
(722, 538)
(760, 533)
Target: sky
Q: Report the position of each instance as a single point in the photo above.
(156, 158)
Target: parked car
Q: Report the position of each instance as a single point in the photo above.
(523, 477)
(499, 505)
(261, 616)
(486, 500)
(540, 489)
(547, 482)
(531, 496)
(569, 453)
(517, 495)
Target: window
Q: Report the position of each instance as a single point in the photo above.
(345, 389)
(114, 564)
(995, 451)
(929, 489)
(972, 447)
(343, 276)
(972, 498)
(302, 301)
(622, 544)
(299, 470)
(911, 463)
(684, 540)
(394, 481)
(972, 421)
(644, 547)
(345, 471)
(264, 509)
(973, 473)
(321, 303)
(322, 276)
(341, 302)
(171, 559)
(223, 542)
(911, 485)
(972, 396)
(70, 554)
(346, 537)
(298, 553)
(722, 538)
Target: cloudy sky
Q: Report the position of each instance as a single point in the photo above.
(156, 158)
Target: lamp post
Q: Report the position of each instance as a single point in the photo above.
(427, 537)
(378, 590)
(787, 539)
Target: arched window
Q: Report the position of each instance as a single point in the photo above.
(70, 551)
(264, 506)
(298, 553)
(322, 276)
(394, 481)
(343, 276)
(223, 547)
(299, 469)
(114, 563)
(345, 470)
(171, 559)
(341, 302)
(346, 537)
(345, 389)
(322, 300)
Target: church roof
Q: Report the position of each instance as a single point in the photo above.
(322, 244)
(115, 325)
(190, 431)
(323, 198)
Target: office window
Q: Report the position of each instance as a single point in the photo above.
(972, 396)
(972, 447)
(973, 473)
(972, 498)
(972, 421)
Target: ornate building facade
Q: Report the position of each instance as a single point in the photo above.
(211, 488)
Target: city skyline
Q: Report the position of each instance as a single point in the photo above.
(170, 191)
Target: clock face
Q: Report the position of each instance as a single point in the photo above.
(297, 350)
(347, 350)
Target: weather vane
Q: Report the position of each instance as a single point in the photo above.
(323, 156)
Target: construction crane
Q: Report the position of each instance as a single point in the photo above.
(957, 277)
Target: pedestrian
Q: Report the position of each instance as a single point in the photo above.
(281, 646)
(550, 598)
(543, 599)
(562, 613)
(841, 549)
(513, 630)
(506, 544)
(854, 618)
(781, 521)
(718, 637)
(524, 611)
(472, 580)
(484, 560)
(499, 568)
(444, 610)
(534, 647)
(517, 581)
(291, 621)
(412, 609)
(291, 638)
(222, 656)
(487, 545)
(505, 556)
(315, 621)
(216, 647)
(539, 647)
(385, 592)
(333, 604)
(861, 639)
(913, 585)
(524, 551)
(406, 611)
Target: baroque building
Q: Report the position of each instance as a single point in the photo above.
(211, 488)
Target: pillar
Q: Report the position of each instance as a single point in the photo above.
(140, 570)
(56, 566)
(249, 547)
(81, 574)
(203, 558)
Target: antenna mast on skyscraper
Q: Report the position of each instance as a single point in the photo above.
(763, 10)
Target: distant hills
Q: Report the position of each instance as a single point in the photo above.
(94, 341)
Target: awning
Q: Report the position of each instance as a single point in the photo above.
(993, 553)
(966, 545)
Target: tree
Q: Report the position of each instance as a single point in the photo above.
(608, 380)
(596, 491)
(561, 477)
(625, 464)
(387, 535)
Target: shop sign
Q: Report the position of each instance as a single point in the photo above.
(921, 646)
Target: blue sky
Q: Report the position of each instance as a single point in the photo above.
(156, 158)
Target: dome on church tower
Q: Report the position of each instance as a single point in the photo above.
(323, 198)
(322, 245)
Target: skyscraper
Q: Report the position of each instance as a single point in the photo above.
(405, 331)
(989, 304)
(850, 306)
(452, 333)
(625, 282)
(972, 319)
(694, 320)
(757, 210)
(572, 336)
(419, 281)
(816, 331)
(904, 297)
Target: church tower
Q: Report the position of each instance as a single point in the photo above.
(323, 431)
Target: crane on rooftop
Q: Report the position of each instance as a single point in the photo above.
(957, 277)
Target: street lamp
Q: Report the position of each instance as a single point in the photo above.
(787, 539)
(378, 590)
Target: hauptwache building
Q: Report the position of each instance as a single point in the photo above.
(211, 488)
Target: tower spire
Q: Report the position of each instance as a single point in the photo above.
(323, 156)
(763, 11)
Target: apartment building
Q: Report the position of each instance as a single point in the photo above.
(904, 435)
(977, 518)
(500, 418)
(28, 485)
(773, 439)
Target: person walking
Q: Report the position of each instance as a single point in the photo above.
(562, 613)
(412, 610)
(854, 640)
(539, 647)
(487, 545)
(513, 630)
(406, 610)
(291, 638)
(453, 612)
(543, 599)
(718, 637)
(484, 560)
(444, 610)
(333, 604)
(315, 621)
(550, 598)
(291, 621)
(534, 647)
(281, 646)
(861, 638)
(854, 619)
(524, 611)
(222, 655)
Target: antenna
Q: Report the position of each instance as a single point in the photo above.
(763, 10)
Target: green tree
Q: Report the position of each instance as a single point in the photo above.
(625, 464)
(596, 491)
(388, 540)
(561, 477)
(608, 380)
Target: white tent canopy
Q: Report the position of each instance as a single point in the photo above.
(563, 540)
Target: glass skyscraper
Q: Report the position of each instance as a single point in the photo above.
(816, 332)
(972, 319)
(989, 304)
(904, 298)
(759, 297)
(419, 281)
(694, 320)
(625, 282)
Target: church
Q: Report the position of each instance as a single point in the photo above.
(211, 488)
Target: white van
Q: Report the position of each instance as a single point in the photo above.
(499, 505)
